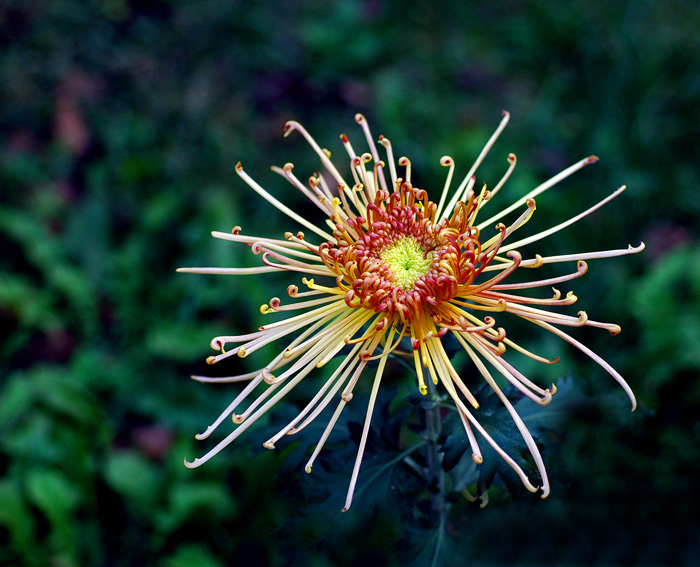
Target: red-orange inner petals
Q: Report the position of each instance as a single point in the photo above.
(451, 247)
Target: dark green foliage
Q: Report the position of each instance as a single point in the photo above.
(120, 125)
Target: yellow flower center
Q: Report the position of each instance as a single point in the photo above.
(407, 261)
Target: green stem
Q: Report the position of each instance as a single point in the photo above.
(435, 471)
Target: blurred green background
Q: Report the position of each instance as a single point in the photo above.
(121, 122)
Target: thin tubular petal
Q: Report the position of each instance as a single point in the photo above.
(328, 164)
(286, 172)
(582, 268)
(584, 349)
(237, 237)
(512, 161)
(572, 257)
(496, 447)
(231, 271)
(277, 204)
(390, 158)
(554, 229)
(345, 367)
(540, 189)
(446, 161)
(365, 428)
(524, 431)
(477, 163)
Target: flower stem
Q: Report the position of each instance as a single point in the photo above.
(435, 472)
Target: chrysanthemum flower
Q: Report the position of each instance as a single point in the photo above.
(392, 265)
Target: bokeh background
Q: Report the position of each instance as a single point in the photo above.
(121, 122)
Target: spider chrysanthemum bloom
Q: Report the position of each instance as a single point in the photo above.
(392, 265)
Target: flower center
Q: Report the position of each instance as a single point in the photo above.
(407, 261)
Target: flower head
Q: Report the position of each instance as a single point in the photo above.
(393, 265)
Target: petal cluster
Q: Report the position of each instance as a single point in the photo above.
(391, 270)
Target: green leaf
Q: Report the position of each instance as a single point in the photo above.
(430, 547)
(16, 399)
(190, 554)
(189, 500)
(180, 342)
(132, 476)
(64, 394)
(51, 492)
(666, 302)
(32, 439)
(454, 443)
(16, 516)
(30, 305)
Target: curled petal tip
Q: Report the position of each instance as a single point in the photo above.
(546, 399)
(592, 159)
(239, 167)
(359, 118)
(201, 436)
(467, 495)
(307, 468)
(268, 445)
(192, 465)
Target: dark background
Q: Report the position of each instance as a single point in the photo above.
(120, 126)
